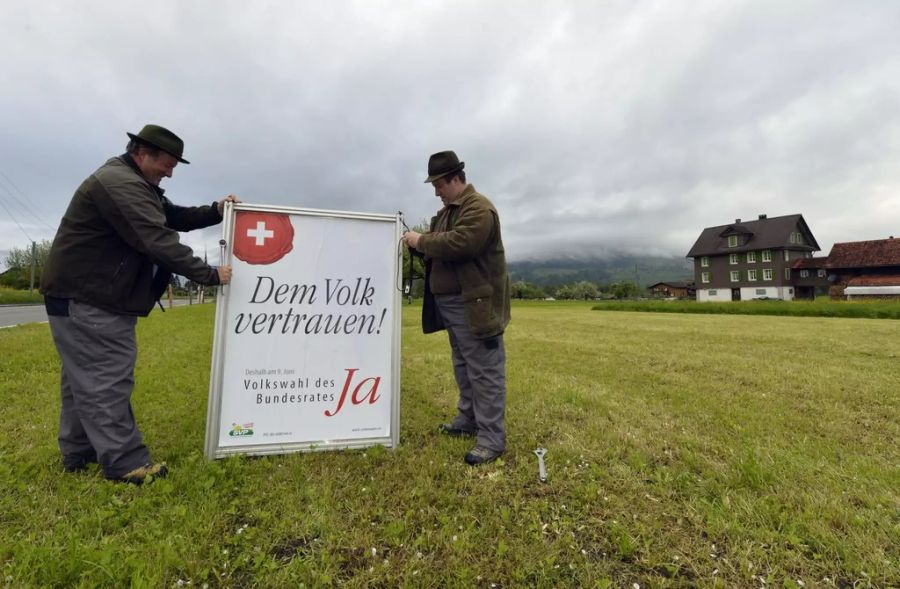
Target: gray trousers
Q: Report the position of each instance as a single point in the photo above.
(480, 369)
(98, 350)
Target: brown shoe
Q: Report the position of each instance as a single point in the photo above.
(145, 473)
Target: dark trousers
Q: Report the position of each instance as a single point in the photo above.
(98, 350)
(480, 369)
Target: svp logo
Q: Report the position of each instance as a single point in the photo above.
(262, 238)
(238, 430)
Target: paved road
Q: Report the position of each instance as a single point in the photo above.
(10, 316)
(17, 315)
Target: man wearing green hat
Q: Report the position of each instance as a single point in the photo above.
(467, 293)
(113, 256)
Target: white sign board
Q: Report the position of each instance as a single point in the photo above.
(306, 352)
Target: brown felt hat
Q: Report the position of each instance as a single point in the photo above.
(442, 163)
(162, 138)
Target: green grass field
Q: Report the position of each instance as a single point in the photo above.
(877, 309)
(684, 450)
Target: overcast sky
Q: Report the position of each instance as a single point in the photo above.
(595, 127)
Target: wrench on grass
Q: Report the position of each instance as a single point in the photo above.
(542, 470)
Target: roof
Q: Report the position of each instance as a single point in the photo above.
(875, 280)
(673, 284)
(765, 233)
(865, 254)
(810, 263)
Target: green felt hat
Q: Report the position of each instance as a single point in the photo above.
(442, 163)
(162, 138)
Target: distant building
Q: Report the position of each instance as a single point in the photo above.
(865, 269)
(751, 259)
(678, 288)
(810, 277)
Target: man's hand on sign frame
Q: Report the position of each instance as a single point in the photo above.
(229, 198)
(224, 274)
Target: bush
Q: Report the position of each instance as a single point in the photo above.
(11, 296)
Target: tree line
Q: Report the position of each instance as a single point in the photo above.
(582, 290)
(18, 265)
(18, 276)
(18, 270)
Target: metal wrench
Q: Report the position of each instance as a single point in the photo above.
(542, 470)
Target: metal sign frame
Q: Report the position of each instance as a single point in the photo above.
(214, 408)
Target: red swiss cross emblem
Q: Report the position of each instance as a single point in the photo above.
(262, 238)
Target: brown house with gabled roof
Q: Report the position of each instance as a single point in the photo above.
(852, 269)
(751, 259)
(680, 289)
(865, 268)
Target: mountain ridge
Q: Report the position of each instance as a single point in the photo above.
(642, 270)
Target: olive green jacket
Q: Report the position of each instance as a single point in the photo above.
(471, 244)
(118, 242)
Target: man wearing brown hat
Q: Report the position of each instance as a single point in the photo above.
(467, 293)
(112, 258)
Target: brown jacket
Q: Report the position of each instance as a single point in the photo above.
(118, 242)
(465, 236)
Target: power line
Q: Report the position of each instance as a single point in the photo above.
(16, 221)
(23, 204)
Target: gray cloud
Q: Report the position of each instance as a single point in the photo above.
(595, 127)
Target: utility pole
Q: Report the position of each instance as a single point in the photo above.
(33, 265)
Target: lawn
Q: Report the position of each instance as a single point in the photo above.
(821, 307)
(683, 450)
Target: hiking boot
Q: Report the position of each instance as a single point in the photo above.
(455, 432)
(78, 462)
(480, 455)
(145, 473)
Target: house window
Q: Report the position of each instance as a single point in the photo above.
(751, 257)
(767, 274)
(804, 273)
(704, 277)
(713, 292)
(704, 262)
(821, 273)
(751, 275)
(760, 291)
(767, 256)
(732, 241)
(787, 273)
(733, 259)
(793, 237)
(735, 276)
(787, 256)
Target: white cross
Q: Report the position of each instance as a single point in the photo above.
(260, 233)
